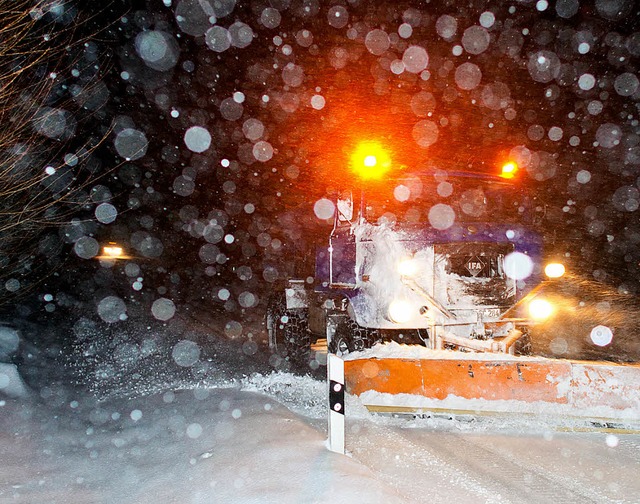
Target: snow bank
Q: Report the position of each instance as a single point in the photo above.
(11, 383)
(9, 342)
(197, 446)
(303, 395)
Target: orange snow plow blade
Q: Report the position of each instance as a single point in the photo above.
(597, 391)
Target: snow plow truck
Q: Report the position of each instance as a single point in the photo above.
(445, 259)
(450, 261)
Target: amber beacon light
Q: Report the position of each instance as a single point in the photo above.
(370, 160)
(509, 170)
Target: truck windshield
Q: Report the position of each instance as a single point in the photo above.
(472, 199)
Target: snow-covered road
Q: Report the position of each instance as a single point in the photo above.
(477, 465)
(264, 442)
(177, 414)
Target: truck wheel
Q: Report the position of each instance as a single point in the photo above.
(351, 337)
(341, 343)
(290, 335)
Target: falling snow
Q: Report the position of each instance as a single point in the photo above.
(206, 141)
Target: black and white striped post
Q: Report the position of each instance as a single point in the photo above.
(335, 377)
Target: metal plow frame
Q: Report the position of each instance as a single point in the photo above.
(597, 394)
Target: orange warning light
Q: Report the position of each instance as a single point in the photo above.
(509, 170)
(370, 160)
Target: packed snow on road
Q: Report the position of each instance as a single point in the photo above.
(257, 436)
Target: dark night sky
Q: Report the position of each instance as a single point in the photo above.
(284, 90)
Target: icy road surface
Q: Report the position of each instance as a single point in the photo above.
(264, 442)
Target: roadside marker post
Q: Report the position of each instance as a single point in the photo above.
(335, 378)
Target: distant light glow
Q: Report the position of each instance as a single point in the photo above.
(112, 251)
(370, 160)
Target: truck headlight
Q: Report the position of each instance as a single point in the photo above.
(400, 311)
(540, 309)
(554, 270)
(408, 267)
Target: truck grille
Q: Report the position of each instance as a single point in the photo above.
(474, 275)
(475, 260)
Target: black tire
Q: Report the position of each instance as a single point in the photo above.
(297, 340)
(341, 342)
(290, 333)
(351, 337)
